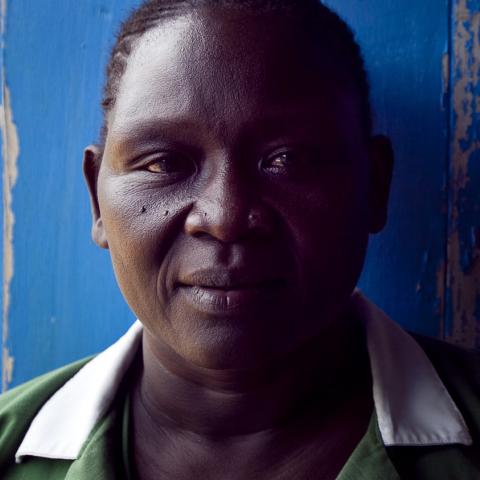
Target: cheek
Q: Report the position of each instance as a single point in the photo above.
(330, 235)
(141, 224)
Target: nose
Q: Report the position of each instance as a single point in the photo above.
(229, 209)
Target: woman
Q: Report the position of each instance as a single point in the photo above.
(235, 185)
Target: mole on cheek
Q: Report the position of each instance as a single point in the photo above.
(144, 209)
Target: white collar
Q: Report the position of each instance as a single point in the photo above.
(413, 407)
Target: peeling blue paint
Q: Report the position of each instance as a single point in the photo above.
(2, 76)
(464, 206)
(469, 209)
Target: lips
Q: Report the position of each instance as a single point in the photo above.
(229, 279)
(217, 291)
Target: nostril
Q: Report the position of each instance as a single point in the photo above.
(202, 235)
(255, 219)
(228, 222)
(260, 221)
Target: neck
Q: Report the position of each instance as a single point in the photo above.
(319, 375)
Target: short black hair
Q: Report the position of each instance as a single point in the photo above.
(327, 23)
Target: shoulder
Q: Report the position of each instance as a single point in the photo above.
(459, 370)
(439, 351)
(19, 406)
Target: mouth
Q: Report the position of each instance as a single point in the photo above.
(218, 279)
(221, 292)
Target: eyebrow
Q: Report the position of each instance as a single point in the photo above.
(149, 131)
(183, 131)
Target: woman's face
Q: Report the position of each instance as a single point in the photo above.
(234, 189)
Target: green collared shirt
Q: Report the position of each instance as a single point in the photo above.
(104, 457)
(104, 454)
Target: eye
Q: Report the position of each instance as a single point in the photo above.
(281, 160)
(169, 164)
(285, 162)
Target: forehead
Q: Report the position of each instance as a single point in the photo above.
(220, 65)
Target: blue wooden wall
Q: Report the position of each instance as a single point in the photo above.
(60, 301)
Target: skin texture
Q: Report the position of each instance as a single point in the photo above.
(236, 194)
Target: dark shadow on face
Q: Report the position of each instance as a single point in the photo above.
(237, 189)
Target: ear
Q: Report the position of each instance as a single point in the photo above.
(92, 158)
(381, 170)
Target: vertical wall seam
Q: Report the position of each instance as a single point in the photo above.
(3, 11)
(10, 153)
(2, 29)
(448, 112)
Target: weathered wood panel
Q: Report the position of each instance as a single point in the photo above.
(463, 262)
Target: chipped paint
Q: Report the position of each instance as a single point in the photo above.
(3, 12)
(440, 288)
(446, 68)
(10, 151)
(10, 155)
(463, 269)
(445, 76)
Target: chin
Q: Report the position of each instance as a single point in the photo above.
(226, 349)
